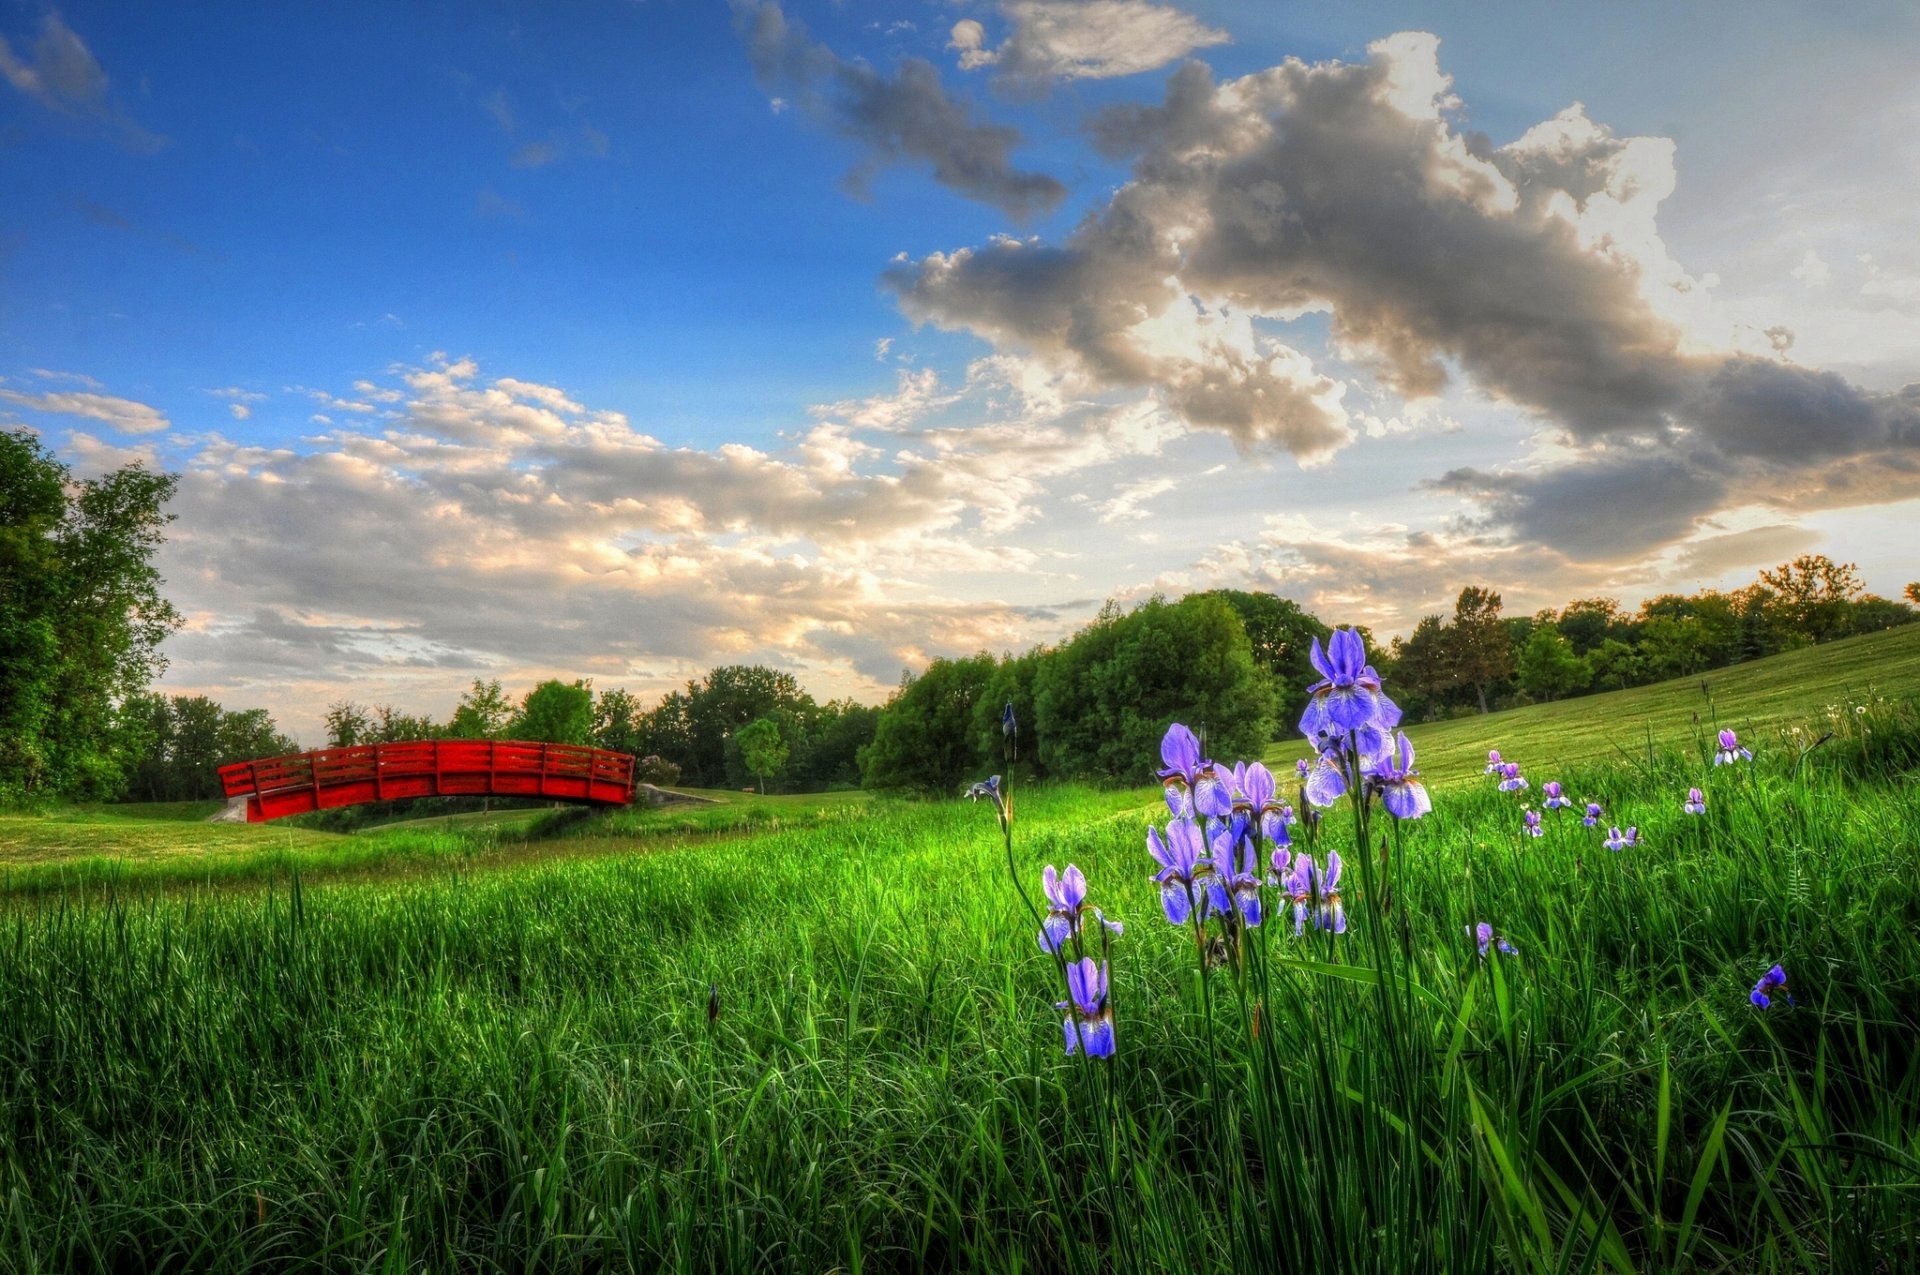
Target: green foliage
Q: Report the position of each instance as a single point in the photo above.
(555, 712)
(618, 721)
(829, 757)
(1813, 596)
(1479, 649)
(484, 712)
(348, 724)
(761, 748)
(178, 745)
(1547, 668)
(694, 728)
(924, 739)
(1103, 700)
(81, 619)
(1280, 635)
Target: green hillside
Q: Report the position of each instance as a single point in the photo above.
(1760, 700)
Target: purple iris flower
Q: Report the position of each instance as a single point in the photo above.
(1493, 761)
(1530, 821)
(1483, 933)
(1511, 778)
(1179, 858)
(1301, 766)
(1232, 889)
(1066, 903)
(1009, 726)
(1618, 840)
(990, 789)
(1774, 981)
(1328, 782)
(1089, 1018)
(1398, 783)
(1281, 858)
(1259, 799)
(1594, 815)
(1696, 802)
(1194, 787)
(1554, 801)
(1730, 750)
(1317, 894)
(1347, 702)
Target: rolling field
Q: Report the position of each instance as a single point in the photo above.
(819, 1035)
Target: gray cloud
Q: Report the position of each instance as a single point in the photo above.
(62, 74)
(902, 119)
(1600, 510)
(1755, 547)
(1534, 268)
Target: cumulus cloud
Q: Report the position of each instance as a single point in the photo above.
(905, 118)
(123, 414)
(491, 524)
(1081, 39)
(61, 74)
(1533, 271)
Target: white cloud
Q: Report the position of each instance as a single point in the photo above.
(123, 414)
(1812, 271)
(1082, 39)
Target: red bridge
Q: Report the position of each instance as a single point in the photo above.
(276, 787)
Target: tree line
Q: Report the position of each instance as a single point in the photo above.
(738, 726)
(1477, 659)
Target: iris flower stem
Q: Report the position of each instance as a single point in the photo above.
(1385, 965)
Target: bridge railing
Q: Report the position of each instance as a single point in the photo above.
(328, 777)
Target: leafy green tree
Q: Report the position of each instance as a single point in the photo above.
(1814, 596)
(1280, 633)
(1616, 665)
(484, 712)
(618, 721)
(761, 748)
(1587, 622)
(1421, 671)
(667, 731)
(81, 618)
(1547, 667)
(1478, 648)
(390, 725)
(348, 724)
(1012, 681)
(555, 712)
(1105, 698)
(923, 740)
(830, 757)
(727, 699)
(1873, 613)
(1912, 593)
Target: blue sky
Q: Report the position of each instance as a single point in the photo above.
(652, 336)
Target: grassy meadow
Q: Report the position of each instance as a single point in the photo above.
(818, 1034)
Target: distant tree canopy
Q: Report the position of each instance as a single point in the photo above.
(1093, 707)
(923, 740)
(181, 741)
(1102, 701)
(81, 620)
(555, 712)
(1442, 667)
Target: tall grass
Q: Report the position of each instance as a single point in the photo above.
(515, 1069)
